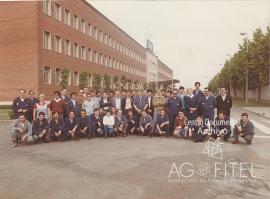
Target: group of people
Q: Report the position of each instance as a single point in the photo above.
(185, 114)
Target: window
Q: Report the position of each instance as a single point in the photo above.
(100, 36)
(95, 33)
(101, 59)
(82, 25)
(89, 55)
(67, 17)
(67, 47)
(47, 75)
(109, 41)
(69, 78)
(109, 65)
(105, 60)
(58, 44)
(89, 80)
(76, 22)
(95, 55)
(76, 50)
(83, 52)
(57, 76)
(47, 7)
(57, 11)
(89, 29)
(47, 40)
(76, 78)
(105, 38)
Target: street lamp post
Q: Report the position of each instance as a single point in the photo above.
(244, 33)
(231, 75)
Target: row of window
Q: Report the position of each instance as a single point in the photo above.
(89, 29)
(88, 54)
(73, 79)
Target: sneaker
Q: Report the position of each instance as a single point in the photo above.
(235, 142)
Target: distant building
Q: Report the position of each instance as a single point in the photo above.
(41, 38)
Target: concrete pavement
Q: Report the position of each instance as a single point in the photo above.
(132, 167)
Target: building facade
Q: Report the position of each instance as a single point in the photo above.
(39, 39)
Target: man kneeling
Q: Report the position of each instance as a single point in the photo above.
(244, 129)
(162, 124)
(21, 131)
(146, 124)
(41, 129)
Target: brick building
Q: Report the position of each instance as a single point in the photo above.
(40, 38)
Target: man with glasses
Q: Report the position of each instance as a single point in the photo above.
(224, 102)
(22, 105)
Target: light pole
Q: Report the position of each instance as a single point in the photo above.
(244, 33)
(228, 55)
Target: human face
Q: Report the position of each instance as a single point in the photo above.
(31, 94)
(158, 92)
(244, 118)
(56, 116)
(105, 95)
(162, 113)
(81, 93)
(139, 93)
(149, 93)
(221, 116)
(222, 91)
(206, 92)
(88, 97)
(128, 94)
(56, 96)
(73, 97)
(119, 112)
(71, 115)
(108, 113)
(83, 113)
(22, 118)
(41, 117)
(181, 91)
(64, 92)
(174, 94)
(197, 86)
(85, 90)
(22, 94)
(117, 93)
(145, 92)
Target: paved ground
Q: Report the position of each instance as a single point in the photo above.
(133, 168)
(264, 111)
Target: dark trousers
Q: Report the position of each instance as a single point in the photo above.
(171, 125)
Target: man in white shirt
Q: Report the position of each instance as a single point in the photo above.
(108, 123)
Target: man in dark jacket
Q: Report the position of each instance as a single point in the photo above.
(22, 105)
(83, 125)
(41, 129)
(224, 102)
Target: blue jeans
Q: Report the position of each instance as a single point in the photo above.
(108, 130)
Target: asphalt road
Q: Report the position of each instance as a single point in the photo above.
(135, 168)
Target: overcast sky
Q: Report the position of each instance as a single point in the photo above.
(191, 37)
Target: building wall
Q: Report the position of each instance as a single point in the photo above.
(164, 72)
(19, 48)
(253, 94)
(60, 60)
(152, 67)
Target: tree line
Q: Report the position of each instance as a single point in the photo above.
(253, 56)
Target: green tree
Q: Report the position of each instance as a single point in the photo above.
(64, 77)
(83, 80)
(123, 81)
(107, 82)
(97, 81)
(136, 84)
(116, 82)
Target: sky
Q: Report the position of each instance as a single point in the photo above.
(192, 37)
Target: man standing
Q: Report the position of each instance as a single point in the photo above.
(174, 105)
(208, 104)
(73, 104)
(89, 104)
(159, 103)
(116, 100)
(127, 103)
(140, 103)
(33, 101)
(198, 95)
(224, 102)
(57, 105)
(244, 129)
(105, 102)
(181, 96)
(191, 105)
(22, 105)
(150, 107)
